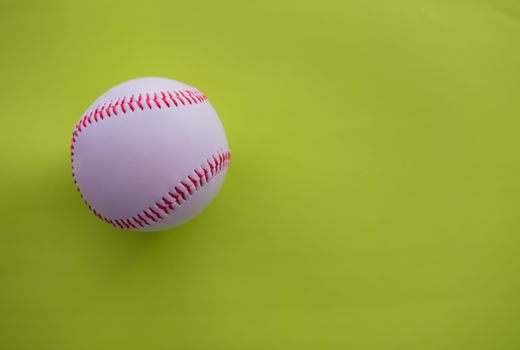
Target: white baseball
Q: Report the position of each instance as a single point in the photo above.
(149, 154)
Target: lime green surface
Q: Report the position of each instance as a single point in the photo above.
(372, 201)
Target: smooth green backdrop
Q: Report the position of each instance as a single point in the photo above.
(372, 201)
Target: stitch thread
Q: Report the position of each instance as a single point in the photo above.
(179, 193)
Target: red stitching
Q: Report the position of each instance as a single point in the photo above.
(168, 203)
(165, 100)
(176, 194)
(200, 176)
(173, 99)
(181, 192)
(162, 207)
(187, 98)
(149, 216)
(179, 98)
(108, 109)
(148, 101)
(140, 102)
(156, 101)
(130, 103)
(155, 213)
(211, 168)
(114, 108)
(140, 217)
(194, 182)
(187, 187)
(122, 105)
(193, 96)
(206, 173)
(101, 111)
(175, 197)
(184, 189)
(138, 221)
(130, 223)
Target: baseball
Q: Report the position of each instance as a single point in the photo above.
(149, 154)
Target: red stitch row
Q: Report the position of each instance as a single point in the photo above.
(175, 197)
(161, 99)
(166, 99)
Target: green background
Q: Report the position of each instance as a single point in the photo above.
(372, 201)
